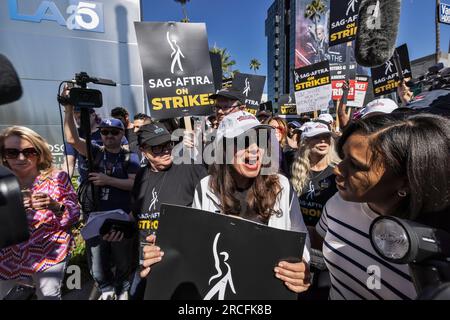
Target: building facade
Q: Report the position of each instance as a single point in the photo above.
(49, 41)
(280, 33)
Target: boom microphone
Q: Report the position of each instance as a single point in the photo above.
(378, 24)
(10, 88)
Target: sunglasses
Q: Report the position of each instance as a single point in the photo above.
(10, 153)
(114, 132)
(226, 106)
(250, 140)
(156, 150)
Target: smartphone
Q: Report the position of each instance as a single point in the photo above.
(128, 228)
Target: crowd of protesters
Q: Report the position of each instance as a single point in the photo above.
(330, 182)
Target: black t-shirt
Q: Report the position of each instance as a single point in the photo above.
(320, 187)
(173, 186)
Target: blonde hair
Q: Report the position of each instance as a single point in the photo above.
(45, 160)
(301, 167)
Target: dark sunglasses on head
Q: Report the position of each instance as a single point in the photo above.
(11, 153)
(105, 132)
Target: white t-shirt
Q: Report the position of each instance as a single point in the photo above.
(357, 272)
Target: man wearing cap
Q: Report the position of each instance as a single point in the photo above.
(114, 172)
(72, 155)
(161, 181)
(227, 101)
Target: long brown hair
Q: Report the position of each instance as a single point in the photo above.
(261, 197)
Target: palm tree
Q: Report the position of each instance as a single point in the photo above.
(255, 64)
(438, 33)
(183, 7)
(314, 12)
(227, 62)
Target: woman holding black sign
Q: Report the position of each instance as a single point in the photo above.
(242, 187)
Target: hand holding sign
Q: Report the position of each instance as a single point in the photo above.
(296, 276)
(152, 255)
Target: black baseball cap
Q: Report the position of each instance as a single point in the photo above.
(231, 94)
(153, 135)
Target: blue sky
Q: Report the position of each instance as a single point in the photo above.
(417, 28)
(238, 25)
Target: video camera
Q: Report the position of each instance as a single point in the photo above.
(436, 78)
(425, 249)
(81, 96)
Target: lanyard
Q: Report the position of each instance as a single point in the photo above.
(107, 169)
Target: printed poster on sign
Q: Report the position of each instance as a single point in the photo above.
(312, 87)
(216, 261)
(339, 73)
(385, 77)
(177, 68)
(361, 87)
(252, 87)
(444, 13)
(343, 21)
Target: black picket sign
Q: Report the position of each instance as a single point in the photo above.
(211, 256)
(251, 86)
(177, 68)
(343, 21)
(385, 77)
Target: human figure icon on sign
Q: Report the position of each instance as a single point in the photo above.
(351, 6)
(389, 66)
(247, 87)
(176, 54)
(221, 286)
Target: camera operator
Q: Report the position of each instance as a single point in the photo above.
(393, 165)
(52, 209)
(114, 176)
(72, 156)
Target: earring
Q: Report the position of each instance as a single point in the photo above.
(401, 193)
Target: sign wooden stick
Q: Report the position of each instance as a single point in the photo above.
(187, 123)
(338, 105)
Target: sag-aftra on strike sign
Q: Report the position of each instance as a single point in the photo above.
(312, 87)
(177, 68)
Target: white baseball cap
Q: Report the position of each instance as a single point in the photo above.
(237, 123)
(380, 106)
(328, 118)
(312, 129)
